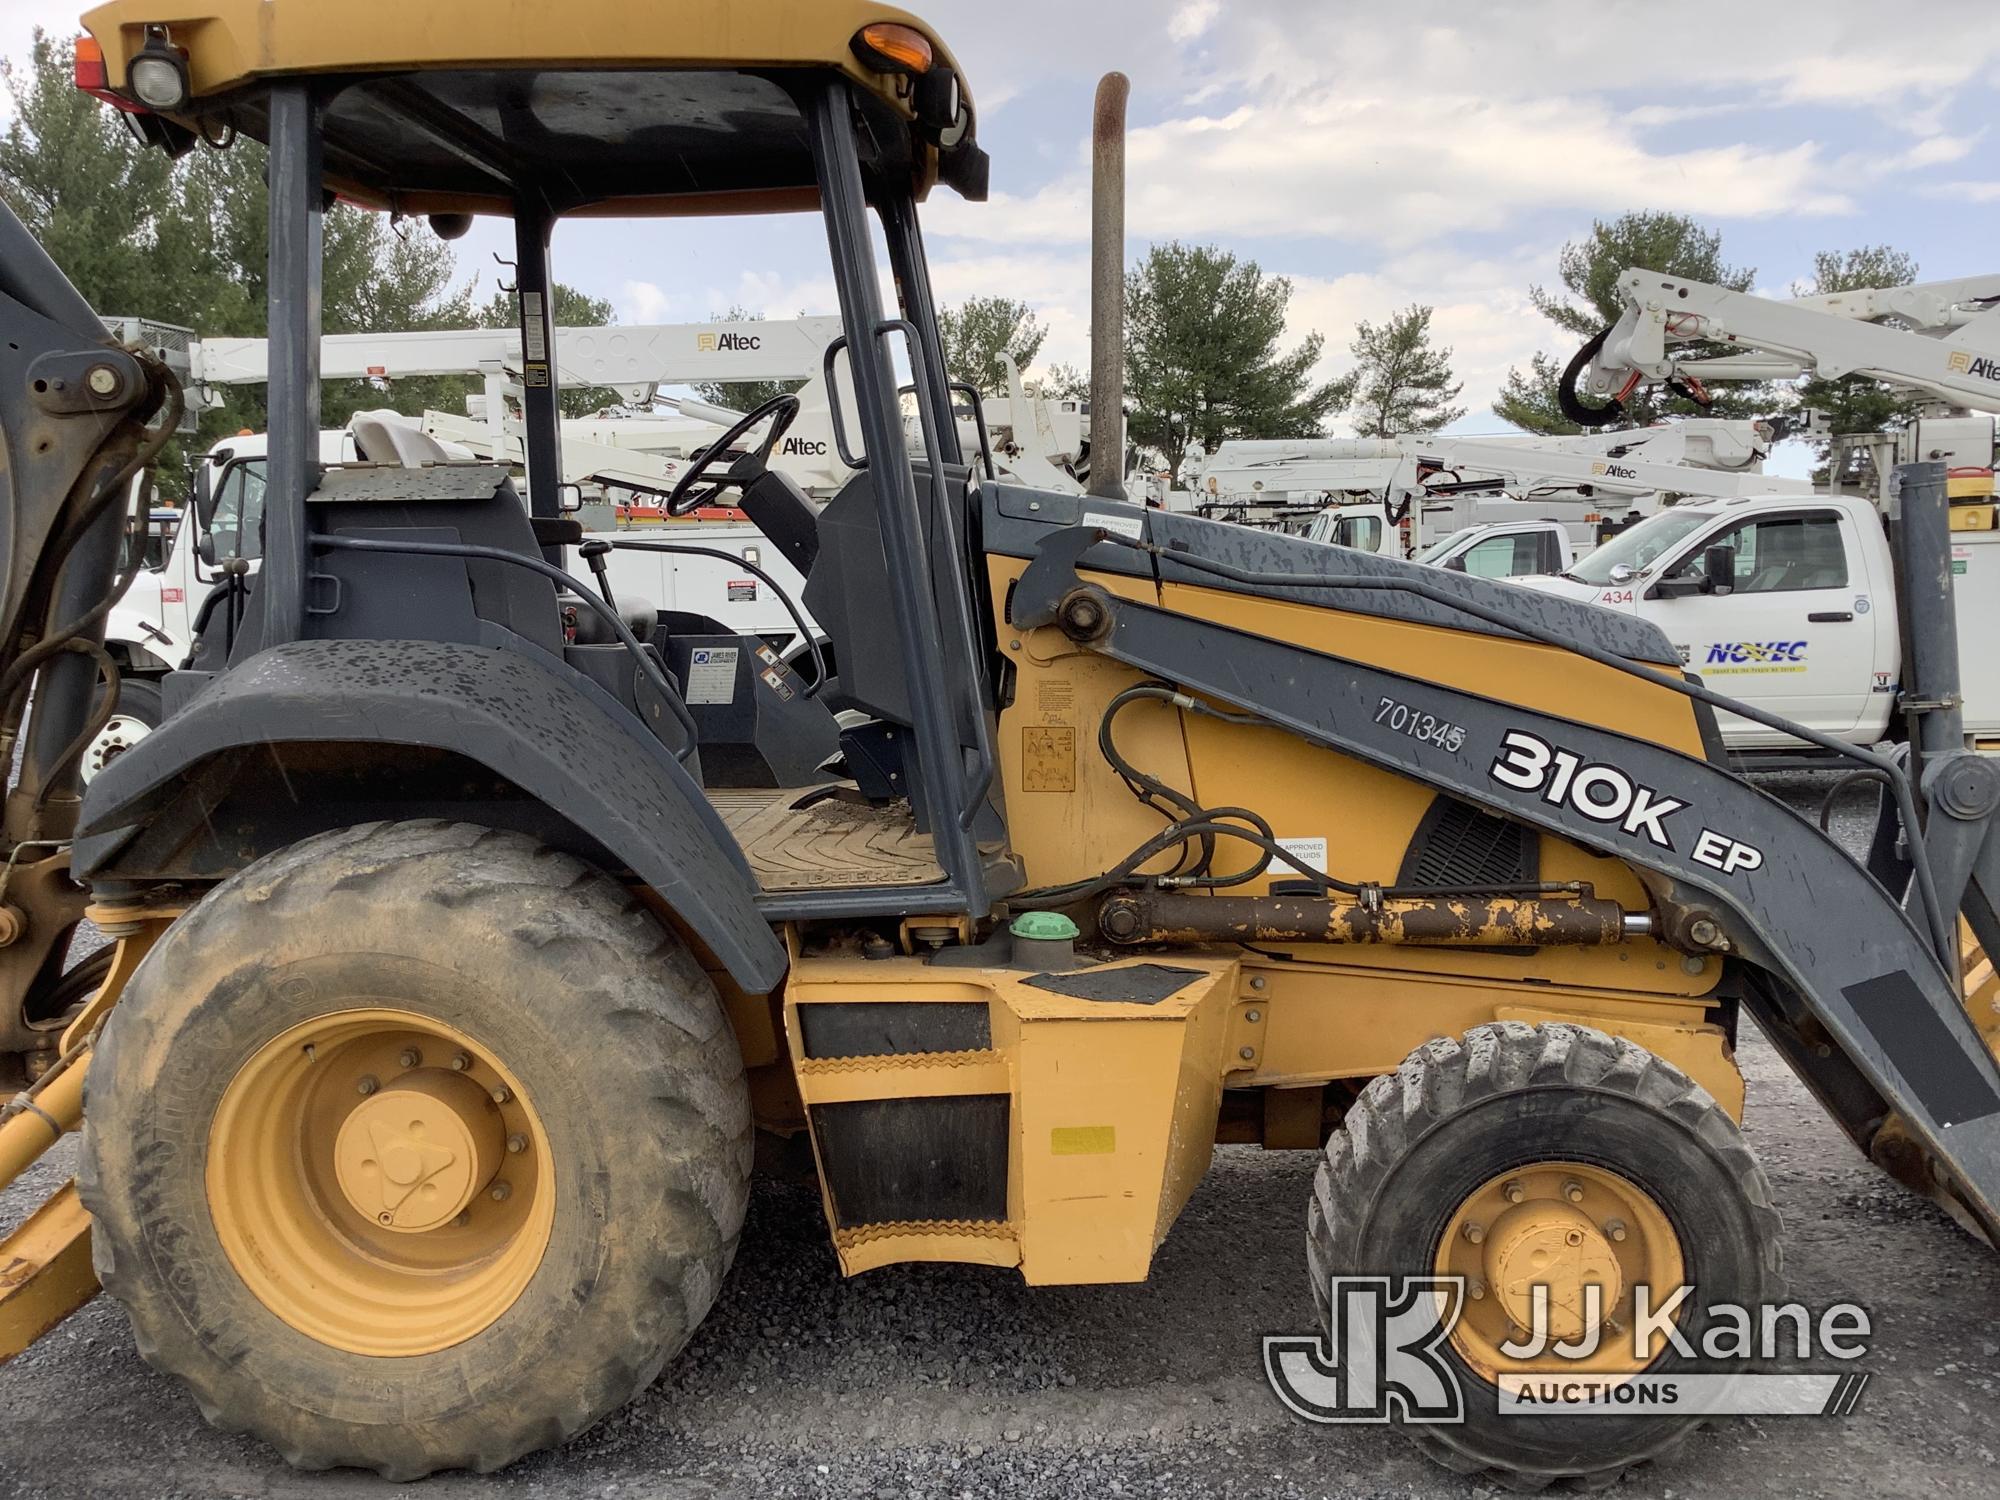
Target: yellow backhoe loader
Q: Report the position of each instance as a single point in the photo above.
(465, 937)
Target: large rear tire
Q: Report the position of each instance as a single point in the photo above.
(416, 1146)
(1555, 1146)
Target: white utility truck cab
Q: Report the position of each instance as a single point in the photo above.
(1363, 525)
(1790, 604)
(1504, 549)
(1492, 538)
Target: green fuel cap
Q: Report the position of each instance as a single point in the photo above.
(1043, 927)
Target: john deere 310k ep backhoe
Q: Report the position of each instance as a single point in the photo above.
(470, 925)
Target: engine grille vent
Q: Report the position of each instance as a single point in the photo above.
(1458, 845)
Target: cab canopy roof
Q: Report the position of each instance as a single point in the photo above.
(593, 106)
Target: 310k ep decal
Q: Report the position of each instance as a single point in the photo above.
(1605, 794)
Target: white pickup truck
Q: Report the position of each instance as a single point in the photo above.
(1789, 603)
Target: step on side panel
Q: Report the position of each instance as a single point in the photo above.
(1052, 1122)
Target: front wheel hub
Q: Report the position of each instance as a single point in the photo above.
(1553, 1246)
(1581, 1239)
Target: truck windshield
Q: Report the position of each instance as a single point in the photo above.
(1439, 549)
(1642, 545)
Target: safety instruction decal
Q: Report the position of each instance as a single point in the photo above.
(1048, 758)
(712, 674)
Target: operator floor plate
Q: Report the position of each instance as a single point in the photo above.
(828, 842)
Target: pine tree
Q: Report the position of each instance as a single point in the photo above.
(1403, 384)
(1204, 354)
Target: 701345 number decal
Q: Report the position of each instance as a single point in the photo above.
(1404, 719)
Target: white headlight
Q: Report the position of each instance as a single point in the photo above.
(158, 81)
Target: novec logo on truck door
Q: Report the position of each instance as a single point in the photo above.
(1757, 656)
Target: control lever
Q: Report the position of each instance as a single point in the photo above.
(594, 552)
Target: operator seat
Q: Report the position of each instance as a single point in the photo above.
(388, 437)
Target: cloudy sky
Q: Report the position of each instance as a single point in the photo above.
(1379, 154)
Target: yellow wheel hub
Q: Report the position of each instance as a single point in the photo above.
(411, 1156)
(1576, 1239)
(380, 1182)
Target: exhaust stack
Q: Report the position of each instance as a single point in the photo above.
(1107, 288)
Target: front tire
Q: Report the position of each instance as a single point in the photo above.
(1553, 1145)
(416, 1146)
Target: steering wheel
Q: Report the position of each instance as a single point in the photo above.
(684, 500)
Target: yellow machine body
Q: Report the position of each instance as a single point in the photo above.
(1113, 1108)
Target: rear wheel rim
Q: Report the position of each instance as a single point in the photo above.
(119, 734)
(380, 1181)
(1567, 1226)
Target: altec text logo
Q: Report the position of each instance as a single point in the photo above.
(1962, 362)
(710, 343)
(1614, 471)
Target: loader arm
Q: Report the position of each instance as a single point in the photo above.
(1730, 869)
(72, 438)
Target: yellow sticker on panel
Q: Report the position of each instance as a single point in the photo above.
(1083, 1140)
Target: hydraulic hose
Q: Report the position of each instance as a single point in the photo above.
(1571, 404)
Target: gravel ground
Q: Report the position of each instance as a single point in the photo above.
(960, 1381)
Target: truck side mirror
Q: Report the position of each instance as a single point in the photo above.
(204, 546)
(1719, 564)
(1456, 564)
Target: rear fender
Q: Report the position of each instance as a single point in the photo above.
(557, 738)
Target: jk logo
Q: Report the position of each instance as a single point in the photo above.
(1381, 1358)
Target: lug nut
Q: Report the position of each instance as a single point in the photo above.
(1573, 1191)
(464, 1218)
(1476, 1290)
(1247, 1053)
(501, 1094)
(500, 1192)
(517, 1143)
(1475, 1233)
(1616, 1229)
(367, 1086)
(1514, 1192)
(409, 1057)
(460, 1062)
